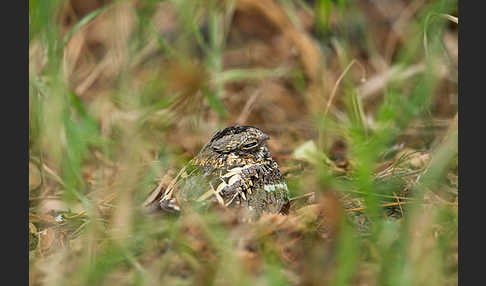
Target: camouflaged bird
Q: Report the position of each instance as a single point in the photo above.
(234, 169)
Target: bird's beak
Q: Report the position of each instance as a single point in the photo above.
(266, 137)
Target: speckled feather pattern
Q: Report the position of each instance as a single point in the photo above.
(234, 169)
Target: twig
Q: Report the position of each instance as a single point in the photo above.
(383, 206)
(380, 195)
(311, 194)
(398, 200)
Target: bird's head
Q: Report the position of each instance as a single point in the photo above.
(235, 145)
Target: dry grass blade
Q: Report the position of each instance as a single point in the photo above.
(247, 108)
(450, 18)
(53, 175)
(427, 22)
(159, 191)
(334, 89)
(84, 22)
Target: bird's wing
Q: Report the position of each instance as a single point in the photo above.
(191, 184)
(163, 197)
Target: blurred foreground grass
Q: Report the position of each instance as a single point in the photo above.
(360, 100)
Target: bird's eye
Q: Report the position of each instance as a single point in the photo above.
(250, 145)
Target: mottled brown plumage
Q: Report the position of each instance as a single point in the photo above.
(234, 169)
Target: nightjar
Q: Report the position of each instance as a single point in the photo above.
(234, 169)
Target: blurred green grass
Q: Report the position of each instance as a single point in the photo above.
(119, 244)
